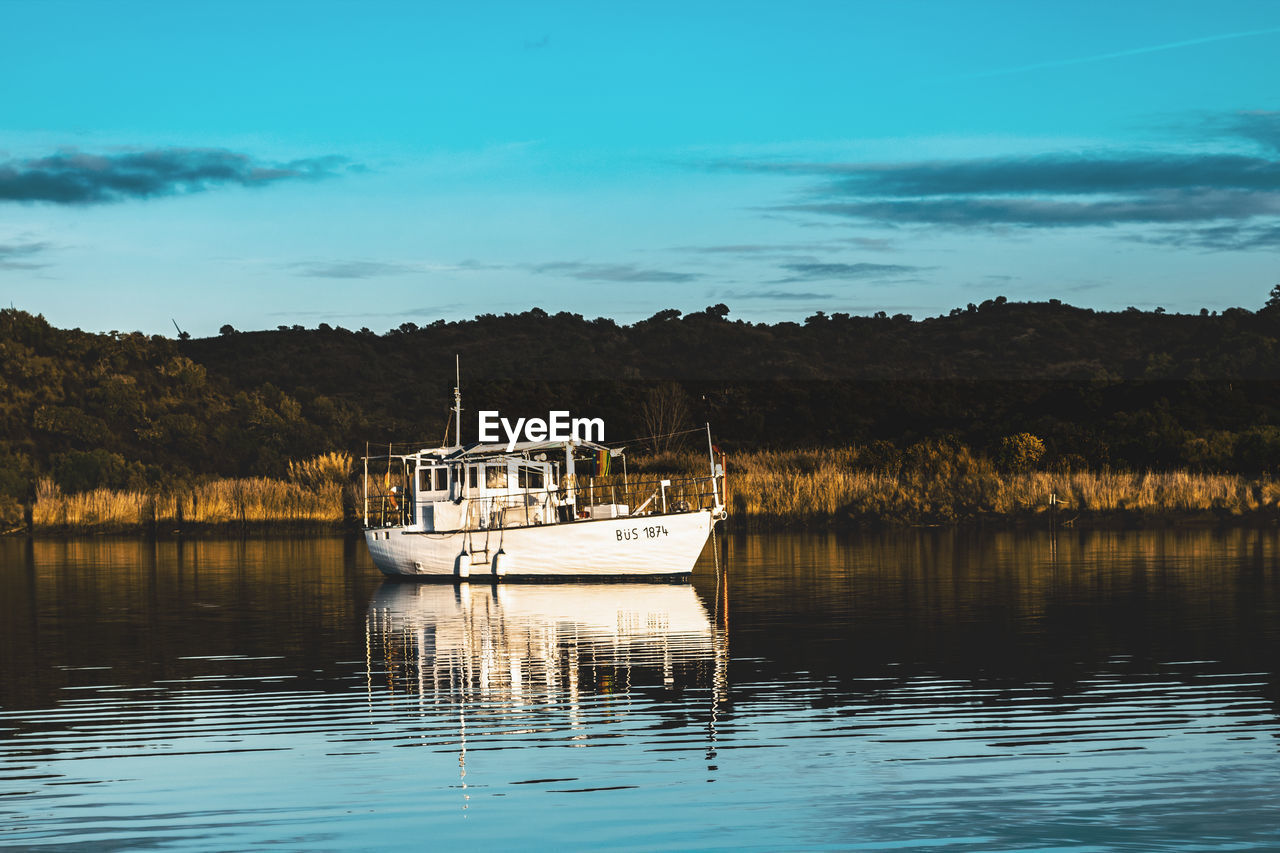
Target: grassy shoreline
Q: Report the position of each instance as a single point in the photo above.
(926, 485)
(258, 504)
(939, 484)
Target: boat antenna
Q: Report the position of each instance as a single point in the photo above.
(457, 399)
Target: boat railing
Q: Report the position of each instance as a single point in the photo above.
(596, 498)
(614, 496)
(389, 510)
(526, 509)
(593, 498)
(387, 485)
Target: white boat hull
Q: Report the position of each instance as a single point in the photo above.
(658, 547)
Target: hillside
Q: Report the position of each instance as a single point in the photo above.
(1132, 388)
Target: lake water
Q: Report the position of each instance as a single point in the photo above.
(962, 691)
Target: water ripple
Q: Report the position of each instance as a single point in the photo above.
(655, 717)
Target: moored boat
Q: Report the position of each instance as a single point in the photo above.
(555, 509)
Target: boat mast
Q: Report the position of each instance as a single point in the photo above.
(457, 401)
(711, 454)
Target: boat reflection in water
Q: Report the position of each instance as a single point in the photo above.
(527, 644)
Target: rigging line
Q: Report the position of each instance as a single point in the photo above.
(657, 435)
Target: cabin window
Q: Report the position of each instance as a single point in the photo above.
(473, 475)
(433, 479)
(495, 476)
(531, 477)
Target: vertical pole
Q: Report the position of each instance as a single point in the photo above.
(570, 479)
(366, 484)
(724, 479)
(457, 399)
(711, 454)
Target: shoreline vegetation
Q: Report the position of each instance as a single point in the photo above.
(978, 416)
(813, 489)
(931, 483)
(317, 495)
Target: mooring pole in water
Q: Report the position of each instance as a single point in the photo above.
(715, 555)
(722, 587)
(1053, 527)
(366, 484)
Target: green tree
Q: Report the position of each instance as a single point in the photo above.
(1273, 301)
(1019, 452)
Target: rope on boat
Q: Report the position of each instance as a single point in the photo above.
(640, 438)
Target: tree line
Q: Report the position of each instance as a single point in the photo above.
(1135, 389)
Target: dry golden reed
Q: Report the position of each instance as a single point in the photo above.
(312, 497)
(931, 484)
(322, 470)
(927, 484)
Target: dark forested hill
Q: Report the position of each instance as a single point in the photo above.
(997, 340)
(1121, 388)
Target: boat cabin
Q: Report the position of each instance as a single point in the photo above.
(490, 486)
(484, 491)
(482, 486)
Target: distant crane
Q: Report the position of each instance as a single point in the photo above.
(182, 336)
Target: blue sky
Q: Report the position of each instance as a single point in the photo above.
(368, 164)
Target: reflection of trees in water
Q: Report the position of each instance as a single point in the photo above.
(1007, 606)
(516, 645)
(151, 609)
(996, 608)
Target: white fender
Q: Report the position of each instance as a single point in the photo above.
(501, 564)
(462, 565)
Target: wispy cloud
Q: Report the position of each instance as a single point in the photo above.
(1048, 173)
(846, 272)
(786, 295)
(583, 271)
(1132, 51)
(20, 256)
(626, 273)
(1259, 126)
(363, 268)
(1047, 191)
(1219, 200)
(871, 244)
(1232, 237)
(350, 269)
(472, 265)
(756, 249)
(421, 311)
(78, 178)
(1162, 207)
